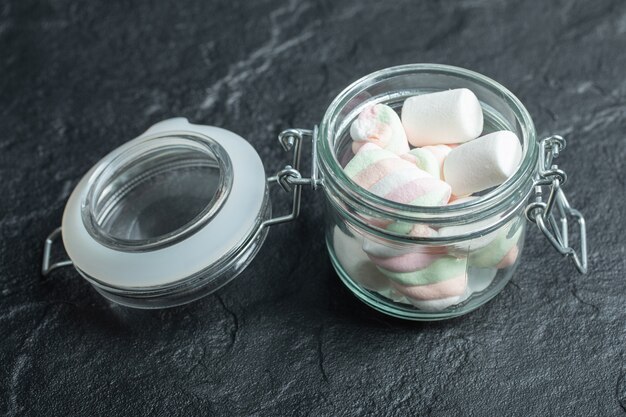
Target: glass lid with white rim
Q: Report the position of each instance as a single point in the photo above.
(168, 217)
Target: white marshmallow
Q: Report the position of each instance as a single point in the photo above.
(452, 116)
(482, 163)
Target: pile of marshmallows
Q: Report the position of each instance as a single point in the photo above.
(446, 163)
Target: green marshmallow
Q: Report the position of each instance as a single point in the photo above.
(442, 269)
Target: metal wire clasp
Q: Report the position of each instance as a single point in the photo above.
(289, 178)
(46, 266)
(543, 213)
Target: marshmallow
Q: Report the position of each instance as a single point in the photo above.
(482, 163)
(439, 151)
(387, 175)
(433, 278)
(429, 158)
(387, 249)
(463, 247)
(451, 287)
(452, 116)
(379, 124)
(404, 258)
(408, 262)
(383, 250)
(494, 253)
(424, 160)
(441, 270)
(356, 263)
(442, 303)
(411, 229)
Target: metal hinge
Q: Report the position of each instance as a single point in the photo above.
(289, 178)
(543, 214)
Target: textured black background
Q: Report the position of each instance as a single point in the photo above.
(79, 78)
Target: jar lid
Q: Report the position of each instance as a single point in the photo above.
(180, 207)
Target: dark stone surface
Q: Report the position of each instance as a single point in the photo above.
(78, 78)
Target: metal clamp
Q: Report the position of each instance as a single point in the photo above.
(46, 268)
(289, 178)
(543, 213)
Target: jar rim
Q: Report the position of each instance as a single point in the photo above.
(336, 179)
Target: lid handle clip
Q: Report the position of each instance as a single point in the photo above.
(554, 228)
(46, 268)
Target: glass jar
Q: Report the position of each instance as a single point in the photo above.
(380, 248)
(181, 210)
